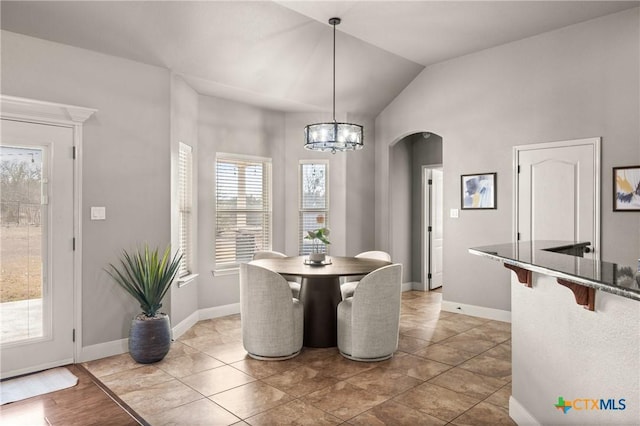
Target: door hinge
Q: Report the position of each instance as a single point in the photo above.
(518, 168)
(74, 153)
(430, 182)
(429, 228)
(73, 242)
(73, 335)
(518, 236)
(429, 275)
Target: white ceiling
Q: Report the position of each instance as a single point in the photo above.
(278, 54)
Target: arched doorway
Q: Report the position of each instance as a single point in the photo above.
(412, 162)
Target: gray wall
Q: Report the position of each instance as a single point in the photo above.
(579, 81)
(126, 159)
(235, 128)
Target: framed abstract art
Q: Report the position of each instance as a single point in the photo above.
(626, 189)
(478, 191)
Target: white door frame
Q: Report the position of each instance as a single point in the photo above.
(424, 234)
(40, 112)
(595, 143)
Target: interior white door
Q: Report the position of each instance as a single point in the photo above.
(37, 243)
(437, 229)
(558, 192)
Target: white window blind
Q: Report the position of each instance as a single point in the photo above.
(185, 208)
(314, 203)
(243, 209)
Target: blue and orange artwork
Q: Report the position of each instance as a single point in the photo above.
(627, 188)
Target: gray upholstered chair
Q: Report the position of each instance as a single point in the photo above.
(272, 321)
(369, 322)
(294, 282)
(350, 283)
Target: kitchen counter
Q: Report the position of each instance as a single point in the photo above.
(564, 260)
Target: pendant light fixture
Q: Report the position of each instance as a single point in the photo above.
(333, 136)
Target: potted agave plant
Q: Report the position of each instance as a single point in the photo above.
(147, 276)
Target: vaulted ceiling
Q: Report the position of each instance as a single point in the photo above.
(277, 55)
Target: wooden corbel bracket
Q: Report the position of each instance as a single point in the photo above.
(524, 275)
(585, 296)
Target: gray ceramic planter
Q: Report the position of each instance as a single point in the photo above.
(150, 339)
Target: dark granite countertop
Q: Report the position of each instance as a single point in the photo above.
(548, 257)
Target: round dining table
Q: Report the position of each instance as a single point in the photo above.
(320, 291)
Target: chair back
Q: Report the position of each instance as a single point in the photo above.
(375, 254)
(268, 254)
(376, 312)
(266, 308)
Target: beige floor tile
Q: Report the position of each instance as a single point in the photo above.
(454, 324)
(110, 365)
(468, 319)
(431, 334)
(135, 379)
(188, 364)
(161, 397)
(262, 369)
(437, 401)
(500, 397)
(468, 343)
(485, 414)
(216, 380)
(343, 400)
(393, 413)
(414, 366)
(340, 367)
(180, 349)
(227, 353)
(411, 344)
(499, 325)
(485, 332)
(203, 342)
(445, 354)
(502, 351)
(383, 381)
(468, 383)
(198, 413)
(300, 381)
(489, 366)
(294, 413)
(250, 399)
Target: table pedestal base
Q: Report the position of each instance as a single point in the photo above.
(320, 297)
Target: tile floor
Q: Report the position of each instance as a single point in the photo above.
(449, 369)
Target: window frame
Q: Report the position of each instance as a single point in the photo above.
(185, 207)
(302, 210)
(223, 268)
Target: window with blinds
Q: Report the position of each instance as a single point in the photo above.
(185, 208)
(314, 203)
(243, 209)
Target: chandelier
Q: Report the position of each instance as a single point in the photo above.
(333, 136)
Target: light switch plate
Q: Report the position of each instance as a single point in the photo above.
(453, 213)
(98, 213)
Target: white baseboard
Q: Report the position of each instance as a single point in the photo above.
(520, 415)
(103, 350)
(407, 286)
(218, 311)
(35, 368)
(117, 347)
(476, 311)
(185, 325)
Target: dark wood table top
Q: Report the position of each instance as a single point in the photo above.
(339, 267)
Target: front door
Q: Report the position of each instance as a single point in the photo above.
(558, 189)
(37, 261)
